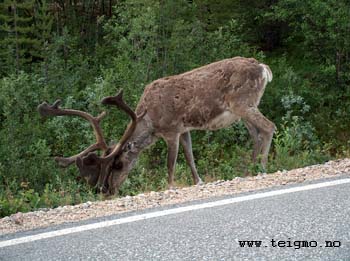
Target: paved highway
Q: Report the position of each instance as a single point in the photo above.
(300, 222)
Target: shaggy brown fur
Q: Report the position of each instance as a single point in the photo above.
(207, 98)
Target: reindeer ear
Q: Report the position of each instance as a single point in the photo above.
(89, 166)
(91, 159)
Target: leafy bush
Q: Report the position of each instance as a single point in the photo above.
(295, 142)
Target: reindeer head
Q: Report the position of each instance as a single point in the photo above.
(108, 171)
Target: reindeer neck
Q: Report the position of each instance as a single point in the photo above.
(142, 137)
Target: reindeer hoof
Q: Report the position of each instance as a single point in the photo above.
(199, 182)
(172, 187)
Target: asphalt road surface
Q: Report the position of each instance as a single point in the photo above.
(300, 222)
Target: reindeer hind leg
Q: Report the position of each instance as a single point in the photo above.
(254, 134)
(262, 131)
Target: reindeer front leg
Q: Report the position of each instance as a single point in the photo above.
(173, 149)
(185, 140)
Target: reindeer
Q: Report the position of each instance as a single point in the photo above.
(207, 98)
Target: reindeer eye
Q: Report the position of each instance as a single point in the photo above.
(129, 146)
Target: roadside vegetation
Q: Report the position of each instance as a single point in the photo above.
(81, 51)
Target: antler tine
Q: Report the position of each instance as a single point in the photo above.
(119, 102)
(65, 162)
(53, 110)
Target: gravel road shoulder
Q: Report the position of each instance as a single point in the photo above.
(44, 218)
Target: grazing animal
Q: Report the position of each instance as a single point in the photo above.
(207, 98)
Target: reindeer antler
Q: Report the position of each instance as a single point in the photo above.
(54, 110)
(119, 102)
(106, 161)
(92, 167)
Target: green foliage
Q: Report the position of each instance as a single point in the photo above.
(27, 167)
(17, 38)
(323, 27)
(296, 142)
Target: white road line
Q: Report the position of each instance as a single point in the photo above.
(167, 212)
